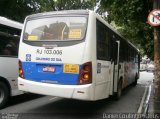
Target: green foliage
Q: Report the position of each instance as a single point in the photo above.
(55, 5)
(19, 9)
(131, 16)
(16, 9)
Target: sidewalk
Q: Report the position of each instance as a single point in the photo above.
(154, 103)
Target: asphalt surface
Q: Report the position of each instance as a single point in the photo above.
(30, 106)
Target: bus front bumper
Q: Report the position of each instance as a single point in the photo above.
(81, 92)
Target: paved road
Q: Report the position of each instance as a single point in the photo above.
(146, 78)
(31, 106)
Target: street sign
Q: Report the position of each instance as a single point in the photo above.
(154, 17)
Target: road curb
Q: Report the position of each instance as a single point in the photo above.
(144, 105)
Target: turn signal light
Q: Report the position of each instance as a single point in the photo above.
(20, 70)
(85, 74)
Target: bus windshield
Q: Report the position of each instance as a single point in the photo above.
(55, 29)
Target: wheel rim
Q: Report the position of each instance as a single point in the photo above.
(1, 95)
(119, 90)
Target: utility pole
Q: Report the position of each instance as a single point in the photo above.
(156, 5)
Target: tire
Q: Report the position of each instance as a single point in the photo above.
(135, 82)
(4, 94)
(118, 94)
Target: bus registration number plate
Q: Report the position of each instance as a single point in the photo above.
(49, 69)
(71, 68)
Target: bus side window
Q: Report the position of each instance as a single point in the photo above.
(7, 50)
(115, 49)
(9, 45)
(10, 49)
(103, 42)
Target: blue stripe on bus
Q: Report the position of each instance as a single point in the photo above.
(33, 71)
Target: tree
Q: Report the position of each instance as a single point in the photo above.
(56, 5)
(156, 5)
(16, 9)
(131, 16)
(19, 9)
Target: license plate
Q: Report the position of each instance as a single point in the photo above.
(71, 68)
(49, 69)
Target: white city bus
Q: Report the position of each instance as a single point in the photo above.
(75, 54)
(9, 40)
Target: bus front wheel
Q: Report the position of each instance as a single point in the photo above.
(4, 94)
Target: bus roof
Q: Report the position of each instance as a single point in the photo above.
(10, 23)
(63, 12)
